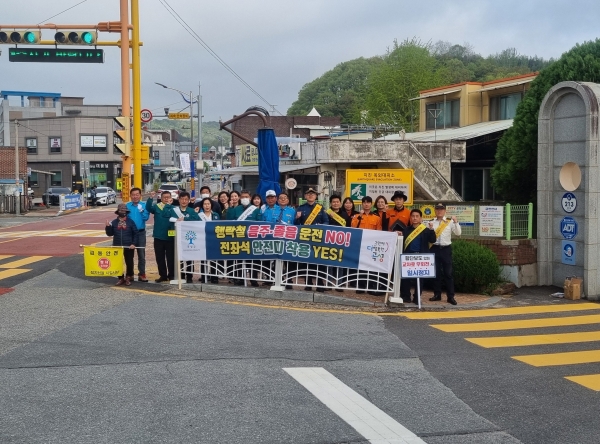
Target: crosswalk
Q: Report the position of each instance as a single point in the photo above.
(52, 233)
(559, 320)
(12, 268)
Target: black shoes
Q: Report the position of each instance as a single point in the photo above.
(452, 301)
(307, 288)
(254, 283)
(288, 287)
(161, 279)
(435, 298)
(360, 291)
(320, 290)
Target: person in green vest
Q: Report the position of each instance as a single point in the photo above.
(164, 244)
(184, 213)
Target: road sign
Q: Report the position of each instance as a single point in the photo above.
(361, 183)
(146, 115)
(179, 115)
(569, 202)
(418, 265)
(55, 55)
(568, 252)
(568, 227)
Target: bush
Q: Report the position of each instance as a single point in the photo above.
(476, 267)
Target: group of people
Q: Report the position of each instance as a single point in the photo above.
(128, 229)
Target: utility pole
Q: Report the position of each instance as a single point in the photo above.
(125, 95)
(17, 193)
(137, 96)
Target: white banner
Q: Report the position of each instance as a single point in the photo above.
(184, 161)
(191, 240)
(377, 251)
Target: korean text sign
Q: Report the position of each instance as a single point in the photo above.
(315, 244)
(106, 261)
(418, 265)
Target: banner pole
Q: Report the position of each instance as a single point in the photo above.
(278, 274)
(419, 292)
(177, 263)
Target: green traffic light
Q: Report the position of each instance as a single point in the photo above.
(30, 37)
(87, 38)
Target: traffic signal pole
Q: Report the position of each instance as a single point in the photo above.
(125, 93)
(137, 95)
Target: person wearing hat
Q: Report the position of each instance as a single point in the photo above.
(311, 213)
(442, 248)
(270, 212)
(124, 234)
(399, 216)
(367, 221)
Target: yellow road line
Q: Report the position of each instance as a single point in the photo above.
(25, 261)
(567, 358)
(5, 256)
(504, 311)
(520, 341)
(588, 381)
(524, 323)
(12, 272)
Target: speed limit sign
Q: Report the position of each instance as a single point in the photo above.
(146, 115)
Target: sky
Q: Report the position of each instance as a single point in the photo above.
(277, 46)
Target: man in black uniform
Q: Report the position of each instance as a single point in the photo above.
(312, 213)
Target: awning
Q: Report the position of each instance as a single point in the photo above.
(437, 93)
(503, 85)
(462, 133)
(253, 170)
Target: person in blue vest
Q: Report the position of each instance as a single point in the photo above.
(287, 214)
(271, 211)
(417, 238)
(139, 214)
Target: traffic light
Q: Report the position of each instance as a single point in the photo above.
(145, 154)
(76, 37)
(24, 37)
(122, 135)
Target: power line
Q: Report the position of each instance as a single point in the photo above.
(196, 37)
(56, 15)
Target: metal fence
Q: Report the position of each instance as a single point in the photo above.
(8, 201)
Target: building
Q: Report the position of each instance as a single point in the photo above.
(477, 113)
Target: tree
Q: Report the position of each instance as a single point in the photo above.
(408, 68)
(514, 175)
(339, 92)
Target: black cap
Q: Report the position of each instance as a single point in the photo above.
(440, 206)
(400, 195)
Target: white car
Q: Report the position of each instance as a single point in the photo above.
(105, 196)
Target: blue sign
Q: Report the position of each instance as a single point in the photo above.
(569, 202)
(568, 227)
(70, 201)
(568, 252)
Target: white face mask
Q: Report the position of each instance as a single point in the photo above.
(245, 201)
(204, 196)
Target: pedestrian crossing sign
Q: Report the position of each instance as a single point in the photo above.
(103, 261)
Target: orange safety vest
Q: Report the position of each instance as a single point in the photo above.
(367, 221)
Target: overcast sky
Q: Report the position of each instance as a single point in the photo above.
(277, 46)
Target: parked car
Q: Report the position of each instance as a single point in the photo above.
(105, 196)
(172, 188)
(52, 195)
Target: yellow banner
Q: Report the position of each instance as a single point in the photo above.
(375, 182)
(103, 261)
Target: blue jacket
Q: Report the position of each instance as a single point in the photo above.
(123, 237)
(139, 217)
(270, 214)
(306, 209)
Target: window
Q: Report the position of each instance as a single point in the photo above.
(504, 107)
(447, 113)
(55, 144)
(93, 143)
(31, 144)
(56, 179)
(156, 155)
(33, 179)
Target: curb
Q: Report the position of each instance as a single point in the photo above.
(320, 298)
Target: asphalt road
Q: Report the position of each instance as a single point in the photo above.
(84, 362)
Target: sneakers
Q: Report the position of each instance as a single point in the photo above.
(121, 281)
(128, 280)
(142, 278)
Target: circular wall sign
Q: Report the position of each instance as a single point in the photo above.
(291, 184)
(569, 202)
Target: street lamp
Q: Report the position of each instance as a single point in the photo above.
(191, 102)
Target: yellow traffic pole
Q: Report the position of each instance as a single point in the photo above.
(125, 93)
(137, 99)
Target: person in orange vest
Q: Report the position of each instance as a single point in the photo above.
(399, 216)
(367, 221)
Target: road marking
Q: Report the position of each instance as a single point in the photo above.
(567, 358)
(25, 261)
(525, 323)
(12, 272)
(367, 419)
(503, 311)
(588, 381)
(521, 341)
(5, 256)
